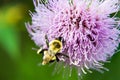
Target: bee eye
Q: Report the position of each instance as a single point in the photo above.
(56, 44)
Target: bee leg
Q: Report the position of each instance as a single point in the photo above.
(57, 59)
(51, 61)
(47, 41)
(41, 50)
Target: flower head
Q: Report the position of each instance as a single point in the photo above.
(90, 35)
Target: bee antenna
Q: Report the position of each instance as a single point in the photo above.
(34, 49)
(47, 41)
(59, 38)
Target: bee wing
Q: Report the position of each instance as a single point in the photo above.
(61, 57)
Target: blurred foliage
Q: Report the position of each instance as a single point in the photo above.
(17, 59)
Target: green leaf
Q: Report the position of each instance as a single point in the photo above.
(9, 40)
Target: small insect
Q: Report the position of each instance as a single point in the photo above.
(53, 52)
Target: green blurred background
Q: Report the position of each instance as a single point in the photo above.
(17, 59)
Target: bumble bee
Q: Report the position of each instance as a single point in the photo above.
(53, 52)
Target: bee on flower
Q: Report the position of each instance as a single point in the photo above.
(53, 52)
(90, 34)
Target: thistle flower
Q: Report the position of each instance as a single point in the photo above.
(90, 35)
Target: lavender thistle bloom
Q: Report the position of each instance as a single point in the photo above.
(90, 35)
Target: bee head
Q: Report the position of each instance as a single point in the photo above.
(55, 45)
